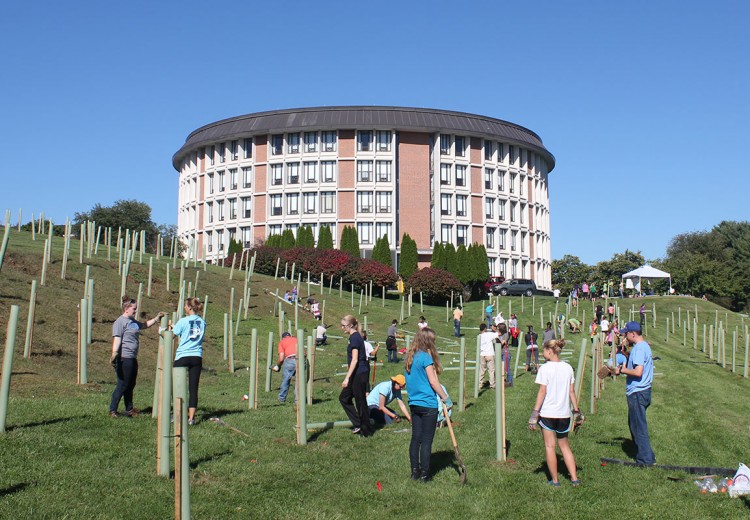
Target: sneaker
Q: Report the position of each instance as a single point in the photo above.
(132, 412)
(113, 413)
(191, 422)
(356, 430)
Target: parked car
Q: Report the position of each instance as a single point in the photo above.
(493, 280)
(515, 286)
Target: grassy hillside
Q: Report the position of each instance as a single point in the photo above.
(63, 456)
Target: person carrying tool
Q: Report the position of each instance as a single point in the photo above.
(552, 410)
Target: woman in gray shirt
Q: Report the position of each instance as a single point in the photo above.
(125, 333)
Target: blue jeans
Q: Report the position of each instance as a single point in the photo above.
(508, 372)
(423, 425)
(489, 317)
(637, 404)
(457, 328)
(393, 356)
(288, 371)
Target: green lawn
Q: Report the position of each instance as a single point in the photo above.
(63, 457)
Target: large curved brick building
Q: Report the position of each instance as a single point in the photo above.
(434, 174)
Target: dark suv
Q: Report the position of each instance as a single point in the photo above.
(515, 286)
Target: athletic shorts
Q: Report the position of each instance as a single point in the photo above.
(560, 426)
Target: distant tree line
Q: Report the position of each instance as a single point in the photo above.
(713, 263)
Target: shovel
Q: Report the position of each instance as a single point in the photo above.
(461, 467)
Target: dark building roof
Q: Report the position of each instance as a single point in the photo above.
(363, 118)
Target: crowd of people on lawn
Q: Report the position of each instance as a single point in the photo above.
(555, 410)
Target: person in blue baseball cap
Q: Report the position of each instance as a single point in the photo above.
(639, 370)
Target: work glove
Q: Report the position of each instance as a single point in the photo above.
(578, 419)
(448, 403)
(533, 419)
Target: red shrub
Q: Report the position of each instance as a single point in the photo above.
(365, 270)
(435, 284)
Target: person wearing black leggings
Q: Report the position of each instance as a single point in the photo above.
(126, 331)
(191, 330)
(422, 366)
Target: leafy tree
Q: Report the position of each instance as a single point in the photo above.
(409, 259)
(287, 239)
(305, 237)
(464, 268)
(325, 238)
(382, 251)
(451, 262)
(438, 256)
(482, 264)
(127, 214)
(621, 263)
(273, 241)
(350, 241)
(569, 271)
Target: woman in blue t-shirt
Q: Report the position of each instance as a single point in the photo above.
(354, 387)
(422, 367)
(191, 330)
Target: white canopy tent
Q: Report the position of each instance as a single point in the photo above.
(645, 272)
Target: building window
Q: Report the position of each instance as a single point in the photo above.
(247, 148)
(292, 142)
(521, 181)
(364, 202)
(220, 240)
(234, 149)
(445, 204)
(221, 180)
(460, 175)
(232, 209)
(461, 205)
(311, 141)
(247, 177)
(501, 239)
(512, 153)
(500, 152)
(276, 208)
(220, 205)
(461, 232)
(210, 183)
(488, 150)
(364, 230)
(274, 229)
(247, 236)
(329, 141)
(246, 207)
(212, 155)
(512, 211)
(512, 183)
(210, 212)
(489, 207)
(311, 172)
(445, 144)
(209, 240)
(446, 233)
(292, 171)
(310, 202)
(277, 144)
(223, 152)
(521, 218)
(384, 140)
(292, 204)
(327, 202)
(277, 174)
(523, 242)
(445, 174)
(490, 238)
(364, 171)
(513, 240)
(383, 201)
(383, 171)
(384, 229)
(460, 146)
(232, 178)
(364, 140)
(489, 174)
(501, 209)
(328, 171)
(501, 180)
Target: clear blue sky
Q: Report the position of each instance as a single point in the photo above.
(644, 104)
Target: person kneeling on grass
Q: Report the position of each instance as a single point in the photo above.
(552, 412)
(382, 395)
